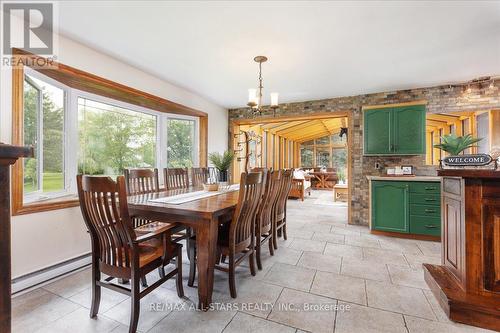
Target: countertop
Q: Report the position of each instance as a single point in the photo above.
(406, 179)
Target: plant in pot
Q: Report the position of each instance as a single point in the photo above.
(455, 145)
(222, 162)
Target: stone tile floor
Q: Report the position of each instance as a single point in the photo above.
(327, 277)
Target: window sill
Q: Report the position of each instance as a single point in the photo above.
(45, 205)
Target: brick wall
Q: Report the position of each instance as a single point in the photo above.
(440, 99)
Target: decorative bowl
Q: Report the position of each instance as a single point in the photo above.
(211, 187)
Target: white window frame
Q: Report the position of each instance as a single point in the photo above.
(39, 195)
(71, 138)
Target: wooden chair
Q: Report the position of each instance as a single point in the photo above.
(263, 224)
(279, 213)
(116, 249)
(141, 181)
(237, 237)
(176, 178)
(199, 176)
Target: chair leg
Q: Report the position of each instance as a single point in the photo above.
(232, 278)
(271, 247)
(96, 293)
(284, 231)
(258, 249)
(161, 272)
(178, 278)
(251, 262)
(135, 305)
(275, 238)
(144, 281)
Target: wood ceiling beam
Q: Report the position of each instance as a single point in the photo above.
(299, 127)
(284, 126)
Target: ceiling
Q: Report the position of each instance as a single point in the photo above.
(316, 49)
(304, 130)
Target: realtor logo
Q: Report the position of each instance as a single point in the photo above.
(28, 26)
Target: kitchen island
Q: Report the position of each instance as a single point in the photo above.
(467, 283)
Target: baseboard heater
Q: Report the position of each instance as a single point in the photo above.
(49, 273)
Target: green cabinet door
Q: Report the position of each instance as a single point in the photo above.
(395, 131)
(390, 211)
(409, 129)
(377, 131)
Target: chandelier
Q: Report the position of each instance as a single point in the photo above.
(255, 95)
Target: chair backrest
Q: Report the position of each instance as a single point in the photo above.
(242, 228)
(284, 191)
(141, 181)
(269, 197)
(105, 211)
(199, 176)
(176, 178)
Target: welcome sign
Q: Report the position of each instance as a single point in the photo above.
(468, 160)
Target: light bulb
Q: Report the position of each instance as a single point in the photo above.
(274, 99)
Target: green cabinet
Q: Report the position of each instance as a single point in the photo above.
(407, 207)
(390, 206)
(395, 131)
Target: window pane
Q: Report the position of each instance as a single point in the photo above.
(337, 139)
(339, 162)
(180, 143)
(114, 138)
(44, 129)
(306, 157)
(322, 157)
(483, 129)
(323, 141)
(31, 98)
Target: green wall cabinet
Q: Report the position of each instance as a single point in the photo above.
(412, 207)
(395, 131)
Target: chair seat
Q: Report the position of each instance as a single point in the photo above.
(150, 251)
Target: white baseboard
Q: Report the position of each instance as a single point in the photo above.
(49, 273)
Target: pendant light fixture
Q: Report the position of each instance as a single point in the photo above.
(255, 95)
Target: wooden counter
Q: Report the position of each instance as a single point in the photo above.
(8, 156)
(467, 283)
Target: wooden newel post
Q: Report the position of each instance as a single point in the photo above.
(8, 156)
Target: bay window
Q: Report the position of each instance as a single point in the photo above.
(74, 132)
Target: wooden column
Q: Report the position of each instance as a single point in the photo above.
(8, 156)
(467, 283)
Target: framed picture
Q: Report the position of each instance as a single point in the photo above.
(407, 169)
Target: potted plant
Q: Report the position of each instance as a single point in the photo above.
(222, 162)
(454, 145)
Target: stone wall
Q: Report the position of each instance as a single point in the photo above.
(441, 99)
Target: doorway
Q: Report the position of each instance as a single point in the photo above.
(318, 144)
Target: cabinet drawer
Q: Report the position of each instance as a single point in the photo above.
(425, 199)
(423, 225)
(425, 210)
(425, 188)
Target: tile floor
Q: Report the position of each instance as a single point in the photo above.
(352, 280)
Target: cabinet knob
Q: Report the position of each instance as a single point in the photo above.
(430, 199)
(430, 188)
(430, 210)
(429, 226)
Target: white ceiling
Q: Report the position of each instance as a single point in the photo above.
(316, 49)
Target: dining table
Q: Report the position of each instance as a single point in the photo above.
(325, 180)
(201, 214)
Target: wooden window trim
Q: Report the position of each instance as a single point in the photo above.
(81, 80)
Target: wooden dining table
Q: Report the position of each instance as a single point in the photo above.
(325, 180)
(203, 215)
